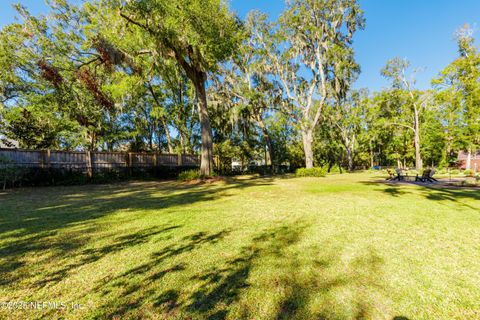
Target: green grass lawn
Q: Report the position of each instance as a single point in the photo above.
(340, 247)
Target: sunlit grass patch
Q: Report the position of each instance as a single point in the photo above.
(340, 247)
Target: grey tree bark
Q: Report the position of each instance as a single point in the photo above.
(468, 164)
(418, 155)
(206, 163)
(307, 135)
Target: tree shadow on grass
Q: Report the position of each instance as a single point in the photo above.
(45, 210)
(311, 285)
(207, 292)
(222, 286)
(135, 286)
(218, 287)
(54, 223)
(299, 277)
(395, 192)
(59, 272)
(433, 192)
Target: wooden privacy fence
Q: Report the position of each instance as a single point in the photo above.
(95, 161)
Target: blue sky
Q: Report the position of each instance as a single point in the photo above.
(420, 30)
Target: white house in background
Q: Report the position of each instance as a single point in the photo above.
(8, 143)
(238, 166)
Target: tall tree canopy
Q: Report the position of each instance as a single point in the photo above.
(461, 82)
(197, 34)
(310, 51)
(188, 76)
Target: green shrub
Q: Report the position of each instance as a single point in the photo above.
(189, 175)
(454, 171)
(336, 169)
(313, 172)
(9, 173)
(468, 173)
(469, 183)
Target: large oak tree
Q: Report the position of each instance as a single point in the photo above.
(197, 34)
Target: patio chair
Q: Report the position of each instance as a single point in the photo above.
(400, 176)
(431, 178)
(427, 176)
(391, 174)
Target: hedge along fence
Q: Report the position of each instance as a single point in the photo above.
(45, 167)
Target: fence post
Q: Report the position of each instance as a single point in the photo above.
(129, 163)
(88, 161)
(45, 159)
(155, 163)
(180, 160)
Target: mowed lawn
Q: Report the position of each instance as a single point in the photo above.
(341, 247)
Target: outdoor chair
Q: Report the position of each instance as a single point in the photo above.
(391, 174)
(396, 175)
(427, 176)
(400, 176)
(431, 178)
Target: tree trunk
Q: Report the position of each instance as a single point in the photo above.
(350, 159)
(163, 120)
(468, 164)
(93, 141)
(447, 151)
(267, 138)
(206, 163)
(199, 78)
(371, 154)
(372, 161)
(150, 140)
(418, 156)
(182, 142)
(167, 135)
(307, 135)
(349, 144)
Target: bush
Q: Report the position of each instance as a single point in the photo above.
(313, 172)
(469, 183)
(468, 173)
(10, 174)
(454, 171)
(189, 175)
(334, 169)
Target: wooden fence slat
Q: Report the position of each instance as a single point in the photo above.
(86, 161)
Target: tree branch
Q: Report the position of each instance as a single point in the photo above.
(400, 124)
(129, 19)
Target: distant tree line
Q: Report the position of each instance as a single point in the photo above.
(190, 76)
